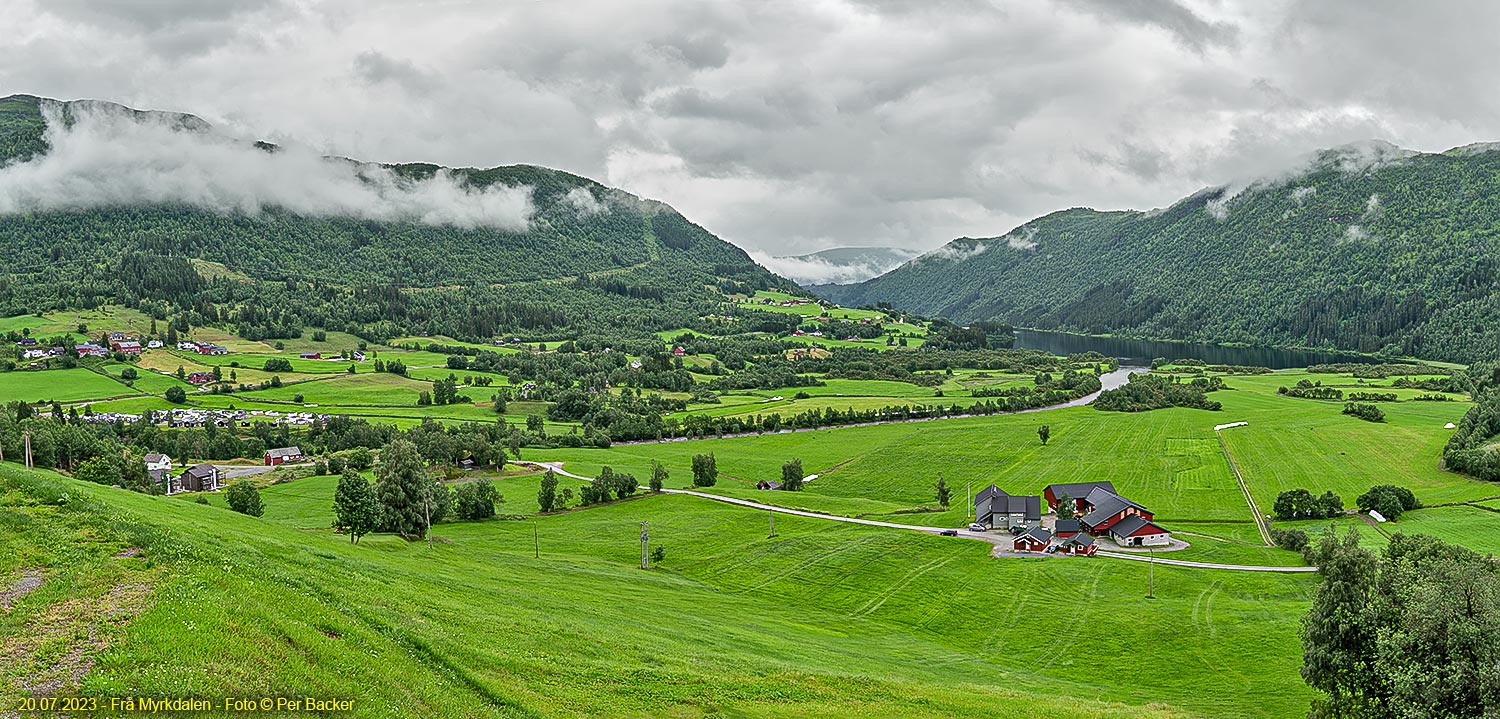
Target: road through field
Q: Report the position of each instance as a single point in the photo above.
(1001, 542)
(1108, 380)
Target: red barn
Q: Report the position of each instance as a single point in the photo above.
(1065, 528)
(1107, 509)
(1134, 531)
(285, 454)
(1077, 491)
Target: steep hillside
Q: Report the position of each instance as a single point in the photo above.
(103, 204)
(1368, 248)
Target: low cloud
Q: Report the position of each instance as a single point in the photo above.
(102, 155)
(584, 202)
(819, 271)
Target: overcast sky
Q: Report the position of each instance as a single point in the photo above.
(789, 127)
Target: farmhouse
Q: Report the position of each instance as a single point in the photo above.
(187, 346)
(767, 484)
(1065, 528)
(198, 478)
(116, 337)
(89, 349)
(209, 348)
(998, 510)
(154, 345)
(27, 342)
(126, 347)
(159, 469)
(285, 454)
(200, 377)
(311, 355)
(37, 353)
(1076, 491)
(1035, 539)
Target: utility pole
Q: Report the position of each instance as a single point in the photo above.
(536, 540)
(427, 514)
(645, 542)
(28, 448)
(969, 497)
(1151, 575)
(772, 513)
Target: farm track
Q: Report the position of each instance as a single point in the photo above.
(1260, 519)
(999, 541)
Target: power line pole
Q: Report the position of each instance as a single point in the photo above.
(1151, 575)
(28, 448)
(427, 514)
(536, 539)
(772, 514)
(969, 497)
(645, 542)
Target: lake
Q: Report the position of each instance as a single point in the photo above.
(1141, 352)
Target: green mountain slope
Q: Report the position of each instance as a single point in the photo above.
(585, 256)
(1368, 248)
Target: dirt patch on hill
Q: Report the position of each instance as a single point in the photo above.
(57, 647)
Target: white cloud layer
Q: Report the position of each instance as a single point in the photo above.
(787, 125)
(101, 155)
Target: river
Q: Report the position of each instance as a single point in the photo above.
(1141, 352)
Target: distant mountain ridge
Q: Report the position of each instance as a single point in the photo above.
(90, 192)
(1369, 247)
(839, 264)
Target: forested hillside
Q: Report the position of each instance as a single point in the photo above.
(581, 255)
(1368, 248)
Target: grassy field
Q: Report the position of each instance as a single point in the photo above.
(821, 620)
(60, 385)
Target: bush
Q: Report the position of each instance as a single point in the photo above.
(1388, 499)
(1301, 504)
(705, 470)
(200, 499)
(1291, 539)
(176, 395)
(277, 364)
(361, 458)
(129, 374)
(476, 500)
(335, 465)
(1366, 412)
(245, 498)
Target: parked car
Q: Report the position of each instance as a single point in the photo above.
(1052, 549)
(949, 532)
(977, 527)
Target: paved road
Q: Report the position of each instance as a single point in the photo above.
(1002, 542)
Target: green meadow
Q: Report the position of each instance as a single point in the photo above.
(821, 620)
(60, 385)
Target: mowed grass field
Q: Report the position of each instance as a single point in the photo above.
(1169, 460)
(60, 385)
(821, 620)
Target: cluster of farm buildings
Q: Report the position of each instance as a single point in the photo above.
(1079, 514)
(205, 477)
(112, 342)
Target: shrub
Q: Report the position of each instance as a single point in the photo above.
(176, 395)
(277, 364)
(245, 498)
(1366, 412)
(476, 500)
(1291, 539)
(1388, 499)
